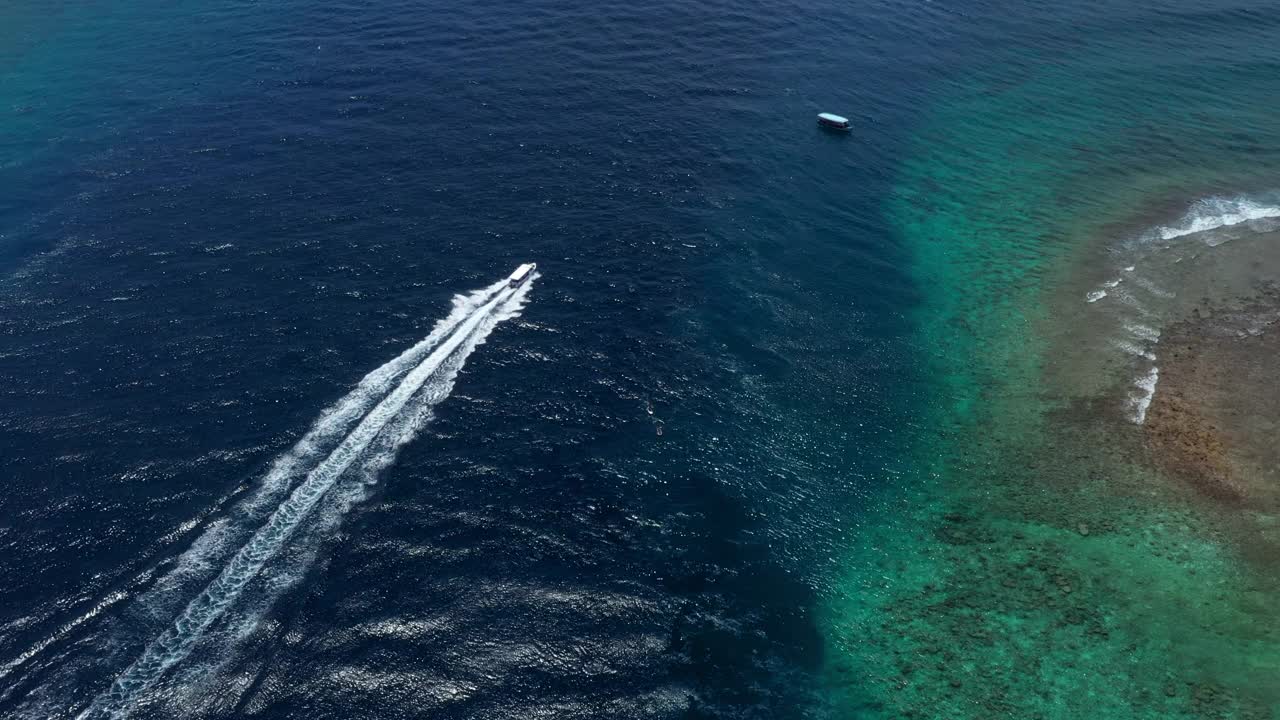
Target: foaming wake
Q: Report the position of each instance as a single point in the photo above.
(1216, 212)
(390, 404)
(336, 420)
(333, 423)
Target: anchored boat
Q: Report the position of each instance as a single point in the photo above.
(835, 122)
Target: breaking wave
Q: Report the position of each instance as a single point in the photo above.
(1216, 212)
(1140, 401)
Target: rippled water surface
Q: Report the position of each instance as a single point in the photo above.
(764, 437)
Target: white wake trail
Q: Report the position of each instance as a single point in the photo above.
(337, 419)
(333, 423)
(423, 382)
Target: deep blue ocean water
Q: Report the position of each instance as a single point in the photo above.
(218, 217)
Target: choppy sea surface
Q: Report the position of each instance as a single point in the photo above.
(787, 423)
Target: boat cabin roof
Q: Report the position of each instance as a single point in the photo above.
(833, 118)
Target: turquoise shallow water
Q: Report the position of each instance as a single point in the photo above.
(758, 439)
(1050, 559)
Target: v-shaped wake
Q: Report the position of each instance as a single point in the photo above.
(390, 405)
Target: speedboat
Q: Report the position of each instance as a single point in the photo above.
(522, 274)
(835, 122)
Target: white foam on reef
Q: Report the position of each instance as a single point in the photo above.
(1140, 401)
(1144, 332)
(1134, 349)
(395, 413)
(1147, 298)
(1216, 212)
(1128, 299)
(1099, 293)
(1152, 288)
